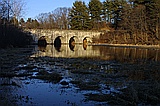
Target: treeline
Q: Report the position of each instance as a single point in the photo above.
(11, 35)
(129, 21)
(57, 19)
(134, 16)
(140, 18)
(137, 20)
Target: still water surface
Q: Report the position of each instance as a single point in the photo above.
(38, 92)
(107, 53)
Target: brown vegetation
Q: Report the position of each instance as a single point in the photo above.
(123, 37)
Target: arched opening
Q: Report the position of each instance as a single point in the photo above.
(42, 41)
(72, 43)
(57, 43)
(85, 43)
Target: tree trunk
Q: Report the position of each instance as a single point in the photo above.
(157, 28)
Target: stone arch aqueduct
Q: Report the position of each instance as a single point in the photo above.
(64, 35)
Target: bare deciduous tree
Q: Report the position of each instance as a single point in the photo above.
(56, 19)
(12, 9)
(17, 7)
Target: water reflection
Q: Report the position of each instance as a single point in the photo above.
(85, 43)
(72, 43)
(100, 52)
(128, 54)
(85, 46)
(42, 48)
(57, 44)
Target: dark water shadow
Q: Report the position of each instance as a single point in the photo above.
(57, 44)
(42, 41)
(72, 44)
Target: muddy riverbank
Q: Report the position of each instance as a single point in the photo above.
(37, 80)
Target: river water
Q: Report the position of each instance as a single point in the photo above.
(100, 52)
(89, 71)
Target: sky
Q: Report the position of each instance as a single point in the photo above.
(35, 7)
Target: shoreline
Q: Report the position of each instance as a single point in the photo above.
(126, 45)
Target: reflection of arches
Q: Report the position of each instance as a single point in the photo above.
(87, 40)
(85, 43)
(42, 41)
(57, 43)
(75, 38)
(42, 48)
(72, 43)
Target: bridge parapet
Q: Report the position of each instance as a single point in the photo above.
(65, 35)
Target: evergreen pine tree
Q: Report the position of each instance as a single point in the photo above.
(106, 11)
(79, 16)
(95, 8)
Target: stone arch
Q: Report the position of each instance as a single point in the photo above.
(57, 43)
(74, 38)
(42, 41)
(85, 43)
(72, 41)
(87, 40)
